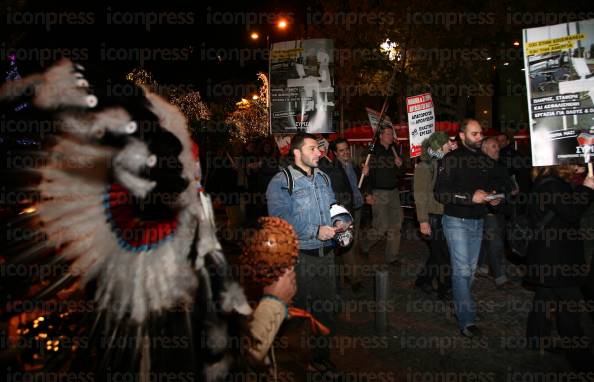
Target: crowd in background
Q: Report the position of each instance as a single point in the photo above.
(467, 189)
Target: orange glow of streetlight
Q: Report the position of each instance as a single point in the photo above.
(516, 43)
(254, 35)
(282, 24)
(255, 97)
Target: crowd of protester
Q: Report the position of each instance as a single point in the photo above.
(467, 189)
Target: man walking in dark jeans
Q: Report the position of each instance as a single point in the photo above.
(464, 187)
(302, 195)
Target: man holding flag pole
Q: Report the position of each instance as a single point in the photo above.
(383, 166)
(383, 194)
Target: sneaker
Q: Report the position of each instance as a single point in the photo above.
(471, 331)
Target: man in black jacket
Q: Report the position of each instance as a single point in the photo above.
(464, 187)
(384, 196)
(343, 175)
(493, 248)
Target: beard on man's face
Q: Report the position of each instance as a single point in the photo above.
(473, 145)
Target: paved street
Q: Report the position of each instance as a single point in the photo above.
(423, 343)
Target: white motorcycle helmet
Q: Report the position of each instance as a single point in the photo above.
(342, 219)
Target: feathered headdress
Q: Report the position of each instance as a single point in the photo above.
(115, 201)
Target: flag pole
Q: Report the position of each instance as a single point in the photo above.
(391, 86)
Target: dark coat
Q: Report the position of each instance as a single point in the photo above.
(556, 256)
(518, 165)
(270, 166)
(460, 174)
(383, 172)
(504, 184)
(340, 181)
(222, 182)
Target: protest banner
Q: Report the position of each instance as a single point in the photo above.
(559, 63)
(421, 121)
(302, 87)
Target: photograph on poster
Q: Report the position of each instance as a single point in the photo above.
(559, 66)
(301, 86)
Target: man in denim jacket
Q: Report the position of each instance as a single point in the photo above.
(303, 198)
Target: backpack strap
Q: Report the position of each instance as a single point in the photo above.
(289, 179)
(325, 177)
(291, 183)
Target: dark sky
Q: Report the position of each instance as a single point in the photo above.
(203, 44)
(181, 42)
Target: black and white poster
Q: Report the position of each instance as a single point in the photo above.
(559, 66)
(302, 87)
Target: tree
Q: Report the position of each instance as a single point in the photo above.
(193, 108)
(447, 48)
(250, 117)
(190, 103)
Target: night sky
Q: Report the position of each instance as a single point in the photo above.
(197, 44)
(190, 43)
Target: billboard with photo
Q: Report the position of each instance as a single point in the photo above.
(559, 67)
(302, 87)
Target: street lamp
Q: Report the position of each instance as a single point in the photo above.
(282, 24)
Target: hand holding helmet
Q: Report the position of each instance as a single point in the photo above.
(343, 222)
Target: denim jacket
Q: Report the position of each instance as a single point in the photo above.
(307, 208)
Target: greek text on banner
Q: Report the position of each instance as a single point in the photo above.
(553, 44)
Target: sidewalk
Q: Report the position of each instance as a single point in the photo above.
(423, 342)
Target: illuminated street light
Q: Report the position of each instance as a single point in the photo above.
(282, 24)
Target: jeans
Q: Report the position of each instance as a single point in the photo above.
(493, 249)
(464, 238)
